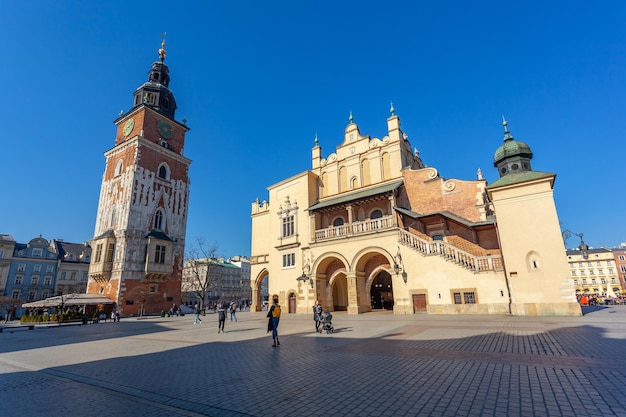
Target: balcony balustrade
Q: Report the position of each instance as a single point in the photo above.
(355, 228)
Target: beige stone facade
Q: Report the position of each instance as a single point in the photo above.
(596, 271)
(370, 227)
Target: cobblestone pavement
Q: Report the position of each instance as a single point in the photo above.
(375, 364)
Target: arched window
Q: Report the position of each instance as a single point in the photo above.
(376, 214)
(338, 222)
(119, 167)
(158, 219)
(164, 171)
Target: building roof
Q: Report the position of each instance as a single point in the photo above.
(70, 300)
(517, 177)
(356, 195)
(444, 213)
(158, 235)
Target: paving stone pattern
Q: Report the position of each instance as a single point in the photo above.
(376, 364)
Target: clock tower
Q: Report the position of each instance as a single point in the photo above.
(139, 239)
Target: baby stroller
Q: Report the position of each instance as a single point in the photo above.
(326, 320)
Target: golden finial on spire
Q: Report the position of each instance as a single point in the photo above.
(162, 52)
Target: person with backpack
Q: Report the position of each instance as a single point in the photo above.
(317, 315)
(274, 317)
(233, 309)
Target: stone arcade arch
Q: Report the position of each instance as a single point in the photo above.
(257, 302)
(373, 269)
(330, 277)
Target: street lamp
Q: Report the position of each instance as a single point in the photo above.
(398, 266)
(304, 278)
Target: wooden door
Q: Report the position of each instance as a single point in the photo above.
(292, 304)
(419, 303)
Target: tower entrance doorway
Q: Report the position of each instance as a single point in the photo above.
(381, 292)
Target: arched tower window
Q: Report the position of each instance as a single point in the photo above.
(353, 183)
(365, 172)
(119, 167)
(343, 179)
(159, 220)
(386, 166)
(164, 171)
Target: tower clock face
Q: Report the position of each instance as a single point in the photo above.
(128, 126)
(165, 129)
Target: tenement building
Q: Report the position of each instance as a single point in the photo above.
(369, 227)
(139, 239)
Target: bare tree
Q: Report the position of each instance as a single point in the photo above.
(201, 272)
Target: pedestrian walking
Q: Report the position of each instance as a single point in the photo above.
(233, 311)
(113, 316)
(274, 317)
(317, 315)
(221, 317)
(196, 315)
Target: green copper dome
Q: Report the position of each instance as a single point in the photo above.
(512, 156)
(511, 147)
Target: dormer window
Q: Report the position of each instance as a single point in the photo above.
(158, 219)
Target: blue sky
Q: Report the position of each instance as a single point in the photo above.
(257, 80)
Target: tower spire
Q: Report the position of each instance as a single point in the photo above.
(507, 134)
(162, 52)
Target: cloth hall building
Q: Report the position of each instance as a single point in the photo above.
(370, 227)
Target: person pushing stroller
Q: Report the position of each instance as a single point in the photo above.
(317, 313)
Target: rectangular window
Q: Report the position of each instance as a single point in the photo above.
(63, 273)
(15, 294)
(599, 263)
(610, 270)
(153, 289)
(572, 266)
(593, 280)
(589, 264)
(98, 252)
(603, 281)
(73, 276)
(608, 263)
(34, 280)
(580, 264)
(32, 294)
(37, 268)
(584, 282)
(18, 279)
(85, 277)
(457, 298)
(288, 226)
(575, 282)
(591, 272)
(110, 252)
(469, 297)
(583, 273)
(613, 281)
(21, 268)
(600, 271)
(623, 268)
(49, 269)
(622, 258)
(45, 294)
(1, 254)
(159, 254)
(37, 252)
(289, 260)
(573, 273)
(47, 280)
